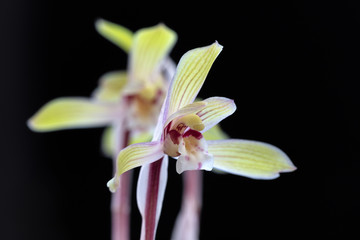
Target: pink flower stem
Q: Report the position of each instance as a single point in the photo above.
(151, 199)
(187, 225)
(121, 201)
(193, 190)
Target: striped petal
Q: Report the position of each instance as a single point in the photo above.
(188, 109)
(150, 48)
(216, 109)
(139, 137)
(251, 159)
(110, 87)
(190, 76)
(73, 112)
(134, 156)
(115, 33)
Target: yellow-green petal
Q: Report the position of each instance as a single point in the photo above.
(149, 49)
(115, 33)
(110, 86)
(134, 156)
(251, 159)
(217, 108)
(141, 137)
(188, 109)
(190, 76)
(72, 112)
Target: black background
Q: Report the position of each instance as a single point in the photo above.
(291, 67)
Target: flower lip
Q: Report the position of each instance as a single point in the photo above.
(192, 133)
(174, 136)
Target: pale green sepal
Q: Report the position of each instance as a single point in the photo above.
(110, 87)
(251, 159)
(134, 156)
(115, 33)
(217, 109)
(149, 50)
(73, 112)
(190, 76)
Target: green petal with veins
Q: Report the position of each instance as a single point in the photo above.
(73, 112)
(251, 159)
(115, 33)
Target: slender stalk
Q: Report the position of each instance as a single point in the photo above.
(152, 199)
(187, 225)
(193, 190)
(121, 200)
(120, 208)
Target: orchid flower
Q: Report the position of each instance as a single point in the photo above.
(128, 102)
(134, 96)
(179, 134)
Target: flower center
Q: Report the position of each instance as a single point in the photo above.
(145, 107)
(149, 92)
(192, 121)
(181, 128)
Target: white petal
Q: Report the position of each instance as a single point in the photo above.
(144, 193)
(194, 154)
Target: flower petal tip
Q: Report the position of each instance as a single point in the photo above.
(288, 165)
(179, 170)
(183, 164)
(34, 125)
(290, 168)
(218, 45)
(233, 106)
(30, 124)
(101, 25)
(113, 184)
(99, 22)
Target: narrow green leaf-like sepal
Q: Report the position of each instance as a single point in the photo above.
(73, 112)
(190, 75)
(115, 33)
(251, 159)
(134, 156)
(149, 49)
(111, 85)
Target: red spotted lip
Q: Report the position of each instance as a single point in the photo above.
(192, 133)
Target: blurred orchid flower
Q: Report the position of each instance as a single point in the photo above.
(179, 134)
(133, 97)
(128, 102)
